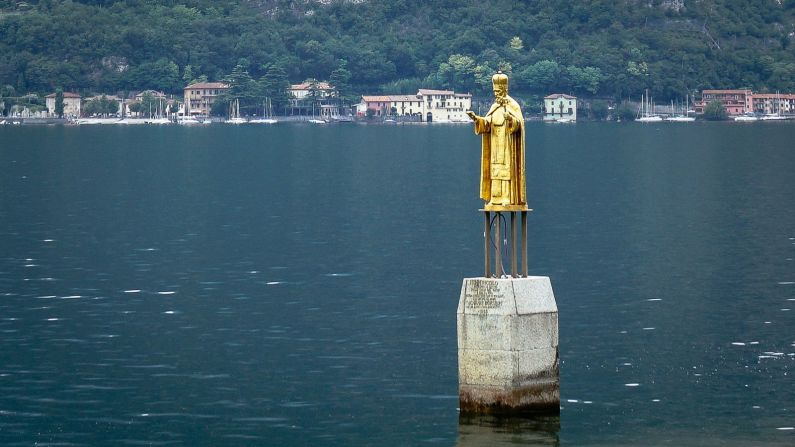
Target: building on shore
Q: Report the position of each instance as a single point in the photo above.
(736, 102)
(427, 105)
(378, 105)
(199, 97)
(745, 102)
(773, 103)
(405, 105)
(315, 98)
(304, 90)
(71, 104)
(560, 107)
(150, 93)
(445, 105)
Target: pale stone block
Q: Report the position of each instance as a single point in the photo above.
(538, 363)
(461, 301)
(487, 367)
(487, 296)
(478, 332)
(534, 295)
(534, 331)
(508, 345)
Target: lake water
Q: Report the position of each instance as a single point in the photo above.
(297, 285)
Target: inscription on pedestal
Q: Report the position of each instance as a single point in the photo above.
(508, 346)
(483, 295)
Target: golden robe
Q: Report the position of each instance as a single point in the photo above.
(503, 156)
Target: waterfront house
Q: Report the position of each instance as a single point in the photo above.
(428, 105)
(317, 98)
(736, 102)
(773, 103)
(560, 107)
(151, 93)
(199, 97)
(405, 105)
(71, 104)
(303, 90)
(379, 104)
(444, 105)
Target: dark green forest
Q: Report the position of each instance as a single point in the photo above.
(593, 48)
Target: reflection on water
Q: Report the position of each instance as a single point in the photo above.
(477, 431)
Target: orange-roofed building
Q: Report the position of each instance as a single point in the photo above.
(736, 102)
(304, 89)
(71, 104)
(199, 97)
(428, 105)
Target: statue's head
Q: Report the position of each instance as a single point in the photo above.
(500, 83)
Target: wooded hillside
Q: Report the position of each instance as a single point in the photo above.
(608, 48)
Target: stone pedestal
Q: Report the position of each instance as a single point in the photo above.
(508, 346)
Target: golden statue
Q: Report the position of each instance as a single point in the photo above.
(502, 172)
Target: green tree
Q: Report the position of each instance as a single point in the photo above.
(482, 74)
(403, 86)
(7, 94)
(715, 111)
(625, 112)
(314, 90)
(109, 106)
(242, 88)
(584, 79)
(90, 108)
(274, 85)
(543, 76)
(457, 72)
(340, 79)
(100, 106)
(59, 106)
(220, 107)
(187, 75)
(599, 110)
(150, 105)
(135, 107)
(161, 74)
(636, 77)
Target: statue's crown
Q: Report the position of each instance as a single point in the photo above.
(500, 79)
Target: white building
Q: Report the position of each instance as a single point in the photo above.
(429, 105)
(71, 104)
(303, 90)
(444, 105)
(560, 107)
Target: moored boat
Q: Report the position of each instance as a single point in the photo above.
(746, 118)
(646, 111)
(681, 119)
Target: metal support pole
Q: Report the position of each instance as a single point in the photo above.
(514, 234)
(487, 243)
(524, 243)
(498, 254)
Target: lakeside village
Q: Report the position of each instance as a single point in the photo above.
(318, 103)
